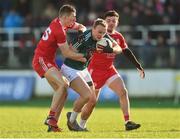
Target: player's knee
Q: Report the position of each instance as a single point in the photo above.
(92, 103)
(65, 85)
(86, 96)
(62, 84)
(93, 100)
(124, 92)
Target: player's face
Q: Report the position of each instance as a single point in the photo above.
(112, 22)
(98, 32)
(71, 19)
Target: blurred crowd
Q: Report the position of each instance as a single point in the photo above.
(18, 13)
(39, 13)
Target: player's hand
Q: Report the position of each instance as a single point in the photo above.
(141, 73)
(108, 49)
(83, 59)
(88, 55)
(72, 48)
(100, 48)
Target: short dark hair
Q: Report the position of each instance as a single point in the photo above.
(111, 13)
(66, 10)
(99, 21)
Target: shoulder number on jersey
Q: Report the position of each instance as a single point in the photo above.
(46, 34)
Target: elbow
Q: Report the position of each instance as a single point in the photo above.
(82, 28)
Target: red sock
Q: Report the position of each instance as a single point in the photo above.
(52, 113)
(126, 117)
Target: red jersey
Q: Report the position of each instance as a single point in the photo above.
(52, 36)
(45, 53)
(105, 60)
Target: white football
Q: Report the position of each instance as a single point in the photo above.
(103, 42)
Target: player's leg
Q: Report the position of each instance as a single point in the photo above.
(61, 106)
(58, 112)
(116, 83)
(88, 108)
(82, 88)
(47, 68)
(79, 85)
(59, 84)
(99, 79)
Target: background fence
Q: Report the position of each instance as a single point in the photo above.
(156, 46)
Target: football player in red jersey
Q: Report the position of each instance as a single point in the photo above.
(44, 64)
(103, 73)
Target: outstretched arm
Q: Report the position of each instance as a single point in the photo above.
(129, 54)
(69, 53)
(79, 27)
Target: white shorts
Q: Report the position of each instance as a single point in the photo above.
(71, 73)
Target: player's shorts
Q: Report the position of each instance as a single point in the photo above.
(71, 73)
(103, 77)
(42, 64)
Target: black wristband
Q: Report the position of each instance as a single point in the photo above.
(107, 49)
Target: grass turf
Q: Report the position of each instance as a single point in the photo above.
(159, 119)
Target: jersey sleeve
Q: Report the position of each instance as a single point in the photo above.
(122, 42)
(60, 35)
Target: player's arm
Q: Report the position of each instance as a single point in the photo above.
(64, 47)
(129, 54)
(115, 48)
(69, 53)
(79, 27)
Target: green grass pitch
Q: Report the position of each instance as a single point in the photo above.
(159, 119)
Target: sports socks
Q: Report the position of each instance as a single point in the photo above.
(126, 118)
(82, 123)
(73, 116)
(52, 113)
